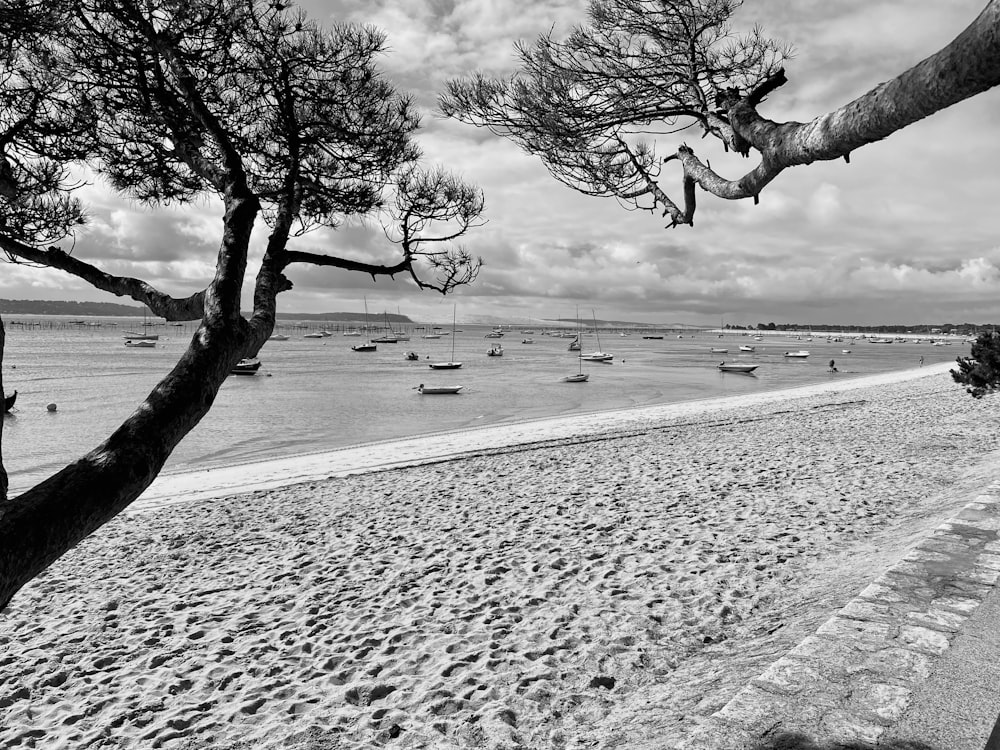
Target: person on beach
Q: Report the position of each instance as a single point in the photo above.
(921, 361)
(833, 366)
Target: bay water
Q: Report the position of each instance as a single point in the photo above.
(315, 394)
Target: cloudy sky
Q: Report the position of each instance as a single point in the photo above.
(908, 232)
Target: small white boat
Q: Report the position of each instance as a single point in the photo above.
(580, 377)
(246, 366)
(352, 333)
(141, 344)
(527, 341)
(745, 348)
(801, 354)
(278, 337)
(432, 336)
(368, 347)
(719, 351)
(746, 369)
(845, 351)
(436, 389)
(314, 336)
(597, 357)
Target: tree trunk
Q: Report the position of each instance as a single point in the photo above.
(968, 66)
(3, 471)
(36, 528)
(55, 515)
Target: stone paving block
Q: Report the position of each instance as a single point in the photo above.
(887, 702)
(758, 711)
(989, 561)
(924, 639)
(976, 521)
(963, 605)
(859, 609)
(949, 546)
(846, 726)
(980, 575)
(938, 619)
(866, 636)
(789, 676)
(882, 591)
(902, 665)
(927, 556)
(714, 736)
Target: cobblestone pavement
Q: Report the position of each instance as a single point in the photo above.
(855, 679)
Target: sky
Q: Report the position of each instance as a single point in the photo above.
(908, 232)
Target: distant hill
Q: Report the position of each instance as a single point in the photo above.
(111, 309)
(56, 307)
(344, 316)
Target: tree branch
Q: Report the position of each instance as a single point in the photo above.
(191, 308)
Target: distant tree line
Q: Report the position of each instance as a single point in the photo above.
(56, 307)
(961, 329)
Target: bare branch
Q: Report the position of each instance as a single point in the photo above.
(191, 308)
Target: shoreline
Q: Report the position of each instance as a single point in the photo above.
(201, 484)
(593, 588)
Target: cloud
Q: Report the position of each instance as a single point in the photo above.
(906, 230)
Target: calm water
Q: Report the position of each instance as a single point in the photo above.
(316, 394)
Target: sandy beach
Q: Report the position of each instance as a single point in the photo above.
(583, 582)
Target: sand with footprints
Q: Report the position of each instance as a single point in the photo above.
(584, 591)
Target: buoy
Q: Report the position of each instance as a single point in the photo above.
(51, 407)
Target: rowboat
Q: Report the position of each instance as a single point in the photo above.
(438, 389)
(142, 344)
(747, 369)
(801, 354)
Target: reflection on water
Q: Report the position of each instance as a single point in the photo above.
(313, 395)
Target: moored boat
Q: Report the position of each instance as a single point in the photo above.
(801, 354)
(141, 344)
(451, 364)
(746, 369)
(246, 366)
(438, 389)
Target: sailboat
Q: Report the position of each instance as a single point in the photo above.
(145, 335)
(597, 356)
(368, 346)
(451, 364)
(580, 376)
(387, 338)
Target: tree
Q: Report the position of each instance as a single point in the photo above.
(644, 66)
(291, 126)
(980, 371)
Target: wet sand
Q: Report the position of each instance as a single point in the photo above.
(574, 584)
